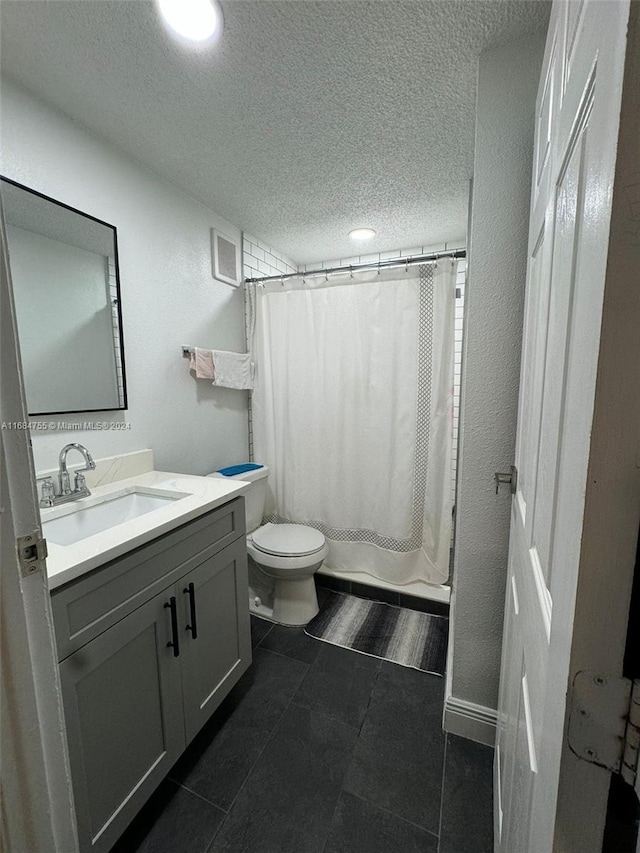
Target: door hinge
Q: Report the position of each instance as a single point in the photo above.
(32, 553)
(604, 723)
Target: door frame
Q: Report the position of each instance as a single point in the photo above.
(612, 500)
(37, 802)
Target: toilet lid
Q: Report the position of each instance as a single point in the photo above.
(288, 540)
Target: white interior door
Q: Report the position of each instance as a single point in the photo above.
(37, 802)
(578, 112)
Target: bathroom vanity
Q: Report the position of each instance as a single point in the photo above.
(151, 636)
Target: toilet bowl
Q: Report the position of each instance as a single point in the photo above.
(290, 554)
(282, 557)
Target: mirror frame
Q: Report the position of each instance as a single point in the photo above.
(125, 399)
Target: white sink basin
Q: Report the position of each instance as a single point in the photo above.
(89, 516)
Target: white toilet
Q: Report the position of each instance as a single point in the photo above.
(282, 557)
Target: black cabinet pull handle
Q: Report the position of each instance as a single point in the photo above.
(191, 591)
(175, 643)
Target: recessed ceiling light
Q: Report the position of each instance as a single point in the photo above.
(195, 20)
(362, 233)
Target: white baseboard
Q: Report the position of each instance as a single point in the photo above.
(475, 722)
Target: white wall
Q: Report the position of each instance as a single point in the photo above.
(507, 88)
(169, 297)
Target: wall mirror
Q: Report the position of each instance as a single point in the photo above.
(64, 267)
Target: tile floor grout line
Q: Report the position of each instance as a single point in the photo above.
(330, 826)
(363, 799)
(259, 643)
(393, 814)
(326, 716)
(251, 769)
(208, 847)
(335, 808)
(215, 835)
(196, 794)
(444, 773)
(268, 740)
(246, 779)
(340, 791)
(282, 655)
(373, 687)
(290, 703)
(435, 835)
(359, 730)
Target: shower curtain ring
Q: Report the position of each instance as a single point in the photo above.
(406, 265)
(351, 271)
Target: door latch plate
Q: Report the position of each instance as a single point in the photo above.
(32, 554)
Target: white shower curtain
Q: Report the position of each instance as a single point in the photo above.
(352, 412)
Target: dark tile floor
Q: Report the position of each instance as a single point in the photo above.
(321, 750)
(376, 593)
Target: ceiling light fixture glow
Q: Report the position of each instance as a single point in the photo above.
(196, 20)
(362, 233)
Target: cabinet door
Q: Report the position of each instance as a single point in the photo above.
(123, 709)
(215, 655)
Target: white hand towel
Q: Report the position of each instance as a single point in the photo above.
(233, 369)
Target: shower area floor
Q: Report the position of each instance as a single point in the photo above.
(319, 749)
(436, 602)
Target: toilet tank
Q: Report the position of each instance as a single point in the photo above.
(254, 499)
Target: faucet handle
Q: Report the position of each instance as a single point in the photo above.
(47, 492)
(80, 484)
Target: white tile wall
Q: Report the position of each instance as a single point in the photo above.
(113, 296)
(258, 259)
(380, 256)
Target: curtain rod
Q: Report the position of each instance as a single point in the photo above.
(372, 265)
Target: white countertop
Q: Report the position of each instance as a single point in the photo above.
(67, 562)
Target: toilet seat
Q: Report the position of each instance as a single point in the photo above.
(288, 540)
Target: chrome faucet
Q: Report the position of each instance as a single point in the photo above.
(49, 496)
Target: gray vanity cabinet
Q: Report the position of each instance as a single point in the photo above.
(140, 677)
(123, 710)
(210, 660)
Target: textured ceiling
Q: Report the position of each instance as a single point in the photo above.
(307, 119)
